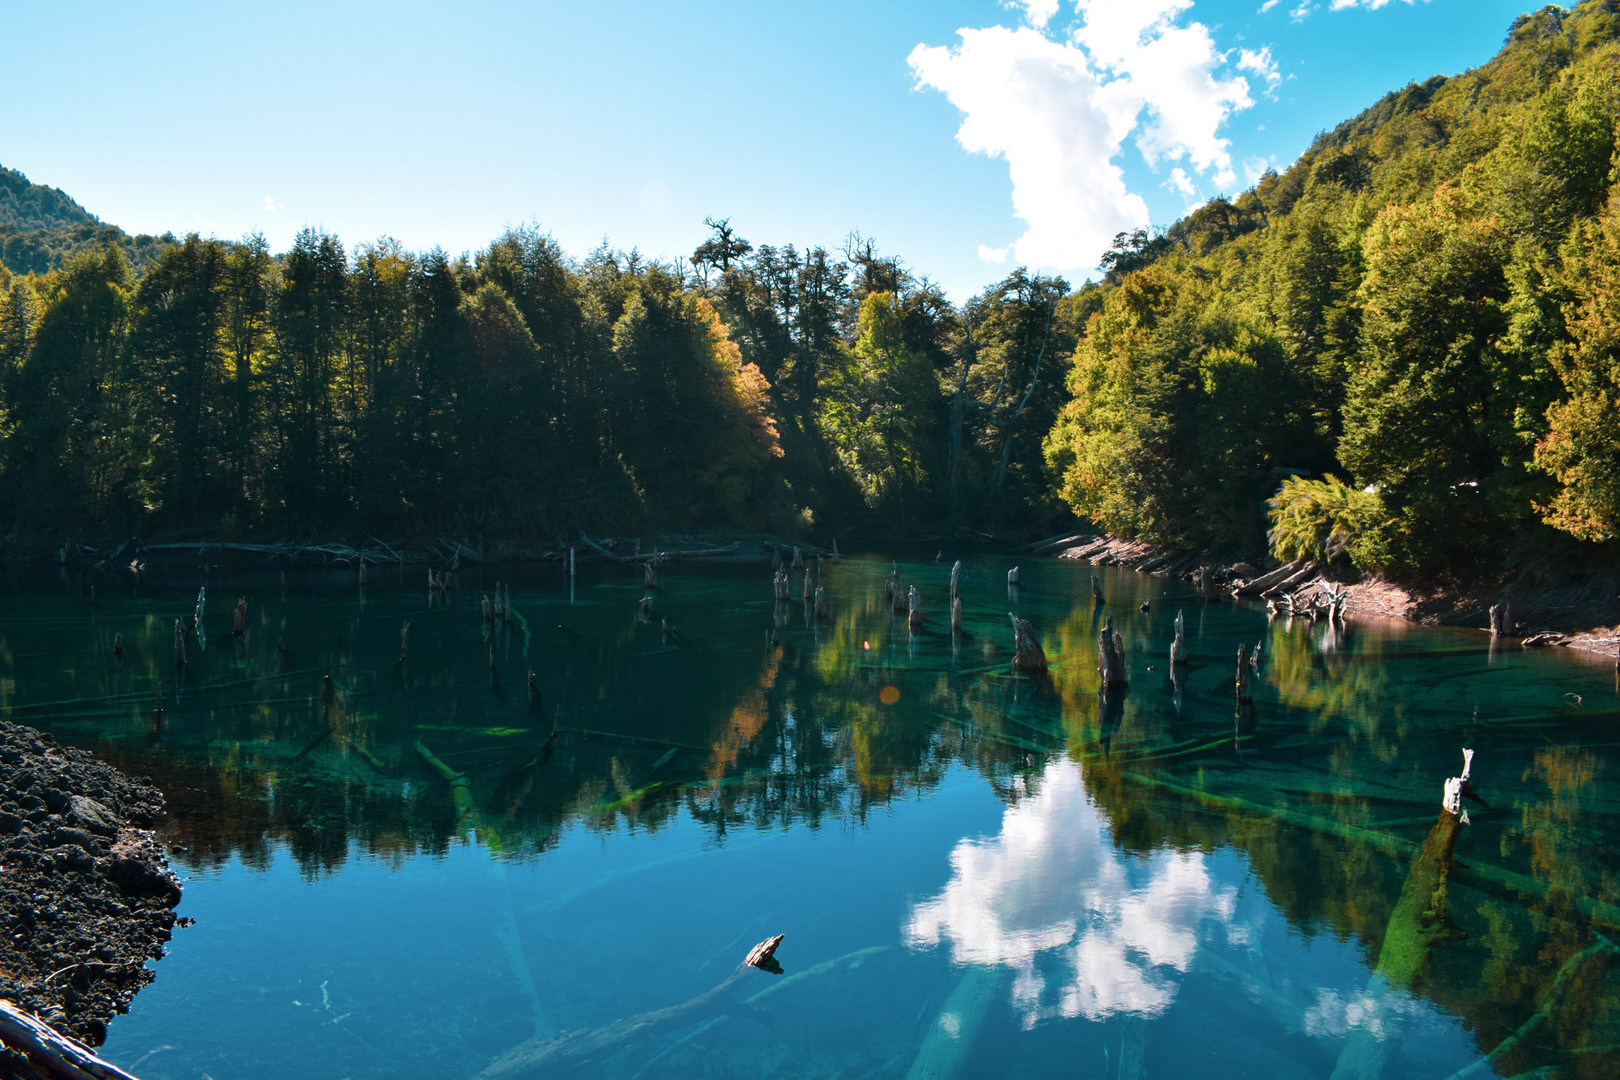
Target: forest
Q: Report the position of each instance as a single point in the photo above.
(1399, 352)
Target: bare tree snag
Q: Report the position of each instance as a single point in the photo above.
(821, 602)
(956, 613)
(1096, 590)
(1178, 645)
(1243, 669)
(913, 610)
(1027, 652)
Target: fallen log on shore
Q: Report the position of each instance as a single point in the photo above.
(46, 1053)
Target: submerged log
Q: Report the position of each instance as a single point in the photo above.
(1418, 924)
(1028, 655)
(591, 1049)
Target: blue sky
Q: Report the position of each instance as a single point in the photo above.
(964, 137)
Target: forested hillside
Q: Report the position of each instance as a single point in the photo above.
(1422, 313)
(41, 227)
(1411, 332)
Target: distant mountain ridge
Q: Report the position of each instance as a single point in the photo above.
(25, 205)
(41, 227)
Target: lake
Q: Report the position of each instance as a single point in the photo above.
(407, 866)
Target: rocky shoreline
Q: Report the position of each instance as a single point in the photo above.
(1549, 609)
(86, 895)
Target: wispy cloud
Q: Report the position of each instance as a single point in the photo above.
(271, 204)
(1262, 65)
(1058, 104)
(1371, 5)
(1267, 6)
(994, 255)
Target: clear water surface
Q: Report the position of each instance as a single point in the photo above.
(419, 868)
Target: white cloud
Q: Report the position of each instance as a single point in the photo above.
(1261, 64)
(1036, 103)
(1267, 6)
(1058, 108)
(1036, 12)
(1304, 9)
(271, 204)
(1087, 930)
(1255, 167)
(1181, 183)
(994, 255)
(1371, 5)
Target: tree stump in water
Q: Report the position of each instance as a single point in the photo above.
(1243, 669)
(1027, 652)
(764, 953)
(1178, 646)
(1502, 619)
(956, 613)
(1096, 590)
(913, 610)
(1111, 655)
(821, 602)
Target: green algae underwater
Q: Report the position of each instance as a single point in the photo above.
(407, 858)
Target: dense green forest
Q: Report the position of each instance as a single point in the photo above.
(1405, 345)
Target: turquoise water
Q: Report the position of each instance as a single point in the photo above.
(977, 873)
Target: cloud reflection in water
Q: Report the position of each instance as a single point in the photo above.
(1087, 930)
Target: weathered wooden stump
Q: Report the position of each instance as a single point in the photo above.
(1111, 655)
(1243, 670)
(1178, 645)
(1028, 655)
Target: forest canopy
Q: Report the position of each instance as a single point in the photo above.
(1400, 351)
